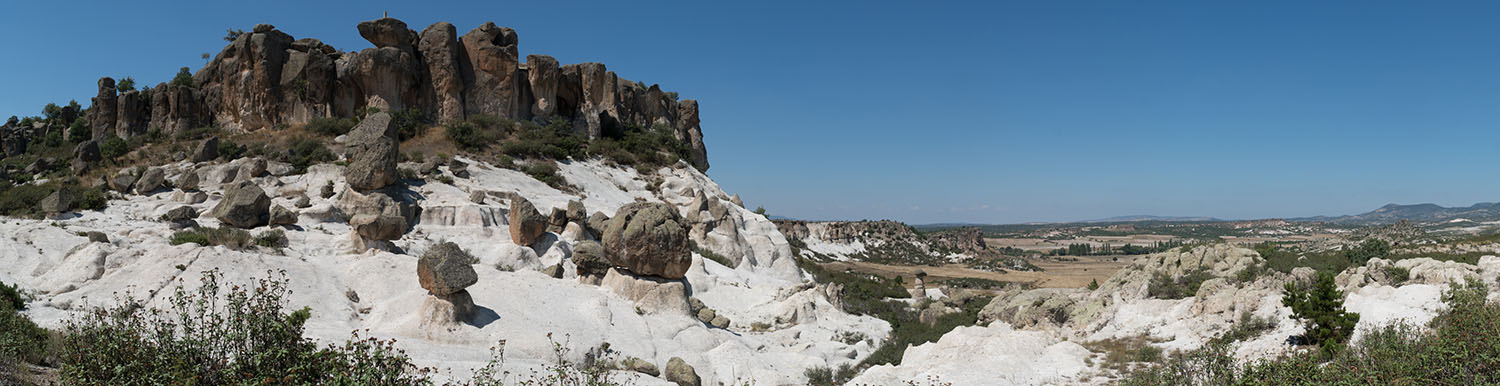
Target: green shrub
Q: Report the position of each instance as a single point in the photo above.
(10, 298)
(21, 340)
(1398, 275)
(230, 237)
(197, 133)
(23, 200)
(478, 131)
(275, 239)
(304, 152)
(113, 147)
(1321, 310)
(409, 123)
(125, 84)
(546, 172)
(1367, 250)
(331, 126)
(1093, 285)
(1164, 286)
(555, 141)
(79, 131)
(93, 199)
(1119, 353)
(717, 258)
(218, 335)
(229, 151)
(183, 78)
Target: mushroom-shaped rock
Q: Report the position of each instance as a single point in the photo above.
(648, 239)
(387, 32)
(446, 269)
(244, 205)
(372, 153)
(526, 223)
(680, 372)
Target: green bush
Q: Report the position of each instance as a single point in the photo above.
(230, 237)
(546, 172)
(229, 151)
(113, 147)
(1367, 250)
(183, 78)
(1398, 275)
(304, 152)
(21, 340)
(218, 335)
(330, 126)
(197, 133)
(478, 131)
(1164, 286)
(79, 131)
(23, 200)
(125, 84)
(1321, 310)
(10, 298)
(275, 239)
(409, 123)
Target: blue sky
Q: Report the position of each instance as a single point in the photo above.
(993, 112)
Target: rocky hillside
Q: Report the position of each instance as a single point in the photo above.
(892, 242)
(266, 78)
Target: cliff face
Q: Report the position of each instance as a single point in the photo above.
(267, 78)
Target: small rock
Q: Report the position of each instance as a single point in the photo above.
(555, 271)
(640, 366)
(327, 191)
(280, 215)
(588, 255)
(151, 180)
(459, 169)
(706, 315)
(243, 206)
(58, 202)
(122, 182)
(353, 296)
(720, 321)
(98, 237)
(681, 373)
(557, 221)
(303, 202)
(188, 181)
(181, 213)
(477, 196)
(576, 211)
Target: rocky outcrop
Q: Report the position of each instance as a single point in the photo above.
(102, 114)
(967, 239)
(648, 239)
(490, 72)
(372, 154)
(439, 47)
(244, 205)
(85, 156)
(266, 78)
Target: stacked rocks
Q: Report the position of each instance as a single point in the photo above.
(445, 271)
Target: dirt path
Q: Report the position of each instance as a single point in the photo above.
(1057, 274)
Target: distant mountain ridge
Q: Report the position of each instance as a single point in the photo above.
(1425, 212)
(1142, 217)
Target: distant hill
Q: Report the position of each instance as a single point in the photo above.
(1428, 212)
(1136, 218)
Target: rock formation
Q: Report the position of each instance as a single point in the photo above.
(444, 271)
(648, 239)
(245, 205)
(526, 223)
(372, 153)
(266, 78)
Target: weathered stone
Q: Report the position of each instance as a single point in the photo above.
(58, 202)
(576, 211)
(706, 315)
(387, 32)
(181, 213)
(375, 215)
(459, 169)
(244, 205)
(477, 196)
(85, 154)
(446, 269)
(302, 202)
(648, 239)
(122, 182)
(428, 167)
(680, 372)
(150, 181)
(102, 114)
(720, 322)
(280, 215)
(98, 237)
(491, 74)
(588, 255)
(439, 47)
(442, 312)
(597, 222)
(640, 366)
(132, 114)
(208, 150)
(557, 220)
(543, 75)
(372, 153)
(243, 86)
(188, 181)
(327, 191)
(526, 223)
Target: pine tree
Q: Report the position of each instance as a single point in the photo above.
(1321, 310)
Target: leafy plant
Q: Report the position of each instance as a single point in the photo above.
(1321, 310)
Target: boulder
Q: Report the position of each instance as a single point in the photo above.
(680, 372)
(327, 190)
(58, 202)
(150, 181)
(179, 214)
(446, 269)
(244, 205)
(375, 215)
(372, 153)
(720, 321)
(558, 220)
(477, 196)
(526, 224)
(597, 222)
(302, 202)
(387, 32)
(85, 155)
(648, 239)
(459, 169)
(280, 215)
(123, 181)
(98, 237)
(188, 181)
(428, 167)
(589, 257)
(244, 87)
(439, 47)
(208, 150)
(576, 211)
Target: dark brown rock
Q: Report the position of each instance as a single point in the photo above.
(543, 77)
(526, 223)
(490, 63)
(439, 47)
(102, 114)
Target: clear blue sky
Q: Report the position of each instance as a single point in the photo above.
(948, 111)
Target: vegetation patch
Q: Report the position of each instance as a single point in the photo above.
(230, 237)
(1165, 286)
